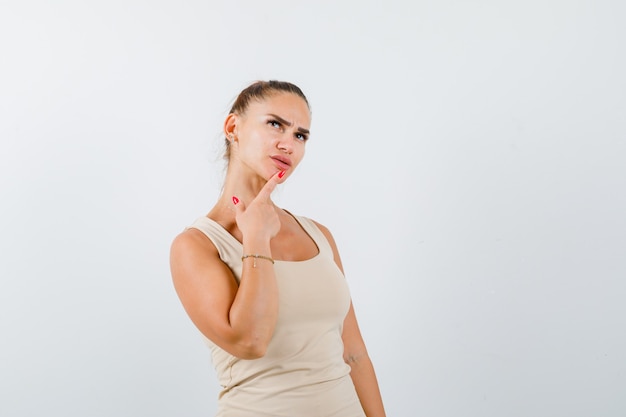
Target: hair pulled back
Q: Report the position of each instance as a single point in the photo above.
(260, 90)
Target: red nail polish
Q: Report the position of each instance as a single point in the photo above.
(281, 174)
(235, 200)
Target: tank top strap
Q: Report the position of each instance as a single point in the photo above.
(316, 234)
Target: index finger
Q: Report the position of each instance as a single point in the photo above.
(269, 186)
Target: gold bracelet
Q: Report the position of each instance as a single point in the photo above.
(255, 256)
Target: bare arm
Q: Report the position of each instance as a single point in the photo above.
(362, 369)
(355, 355)
(239, 318)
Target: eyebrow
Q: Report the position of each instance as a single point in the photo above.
(285, 122)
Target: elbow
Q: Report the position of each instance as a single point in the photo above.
(250, 342)
(252, 352)
(350, 359)
(356, 359)
(251, 349)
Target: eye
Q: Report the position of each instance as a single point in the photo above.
(302, 136)
(274, 123)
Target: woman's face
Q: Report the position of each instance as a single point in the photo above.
(272, 133)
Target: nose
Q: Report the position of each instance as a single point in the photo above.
(285, 143)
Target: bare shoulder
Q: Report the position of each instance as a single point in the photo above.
(191, 240)
(191, 250)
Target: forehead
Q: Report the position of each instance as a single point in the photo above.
(284, 104)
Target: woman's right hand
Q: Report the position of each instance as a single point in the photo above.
(259, 219)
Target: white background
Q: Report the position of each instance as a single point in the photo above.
(468, 156)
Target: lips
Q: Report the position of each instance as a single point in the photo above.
(282, 162)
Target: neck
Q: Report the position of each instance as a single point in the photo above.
(241, 184)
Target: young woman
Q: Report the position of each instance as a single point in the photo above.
(266, 287)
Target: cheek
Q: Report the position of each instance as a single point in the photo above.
(300, 156)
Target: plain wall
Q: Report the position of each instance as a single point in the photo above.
(469, 158)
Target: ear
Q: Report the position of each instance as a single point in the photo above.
(230, 125)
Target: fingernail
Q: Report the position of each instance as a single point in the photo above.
(235, 200)
(281, 174)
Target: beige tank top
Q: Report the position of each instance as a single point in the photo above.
(303, 372)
